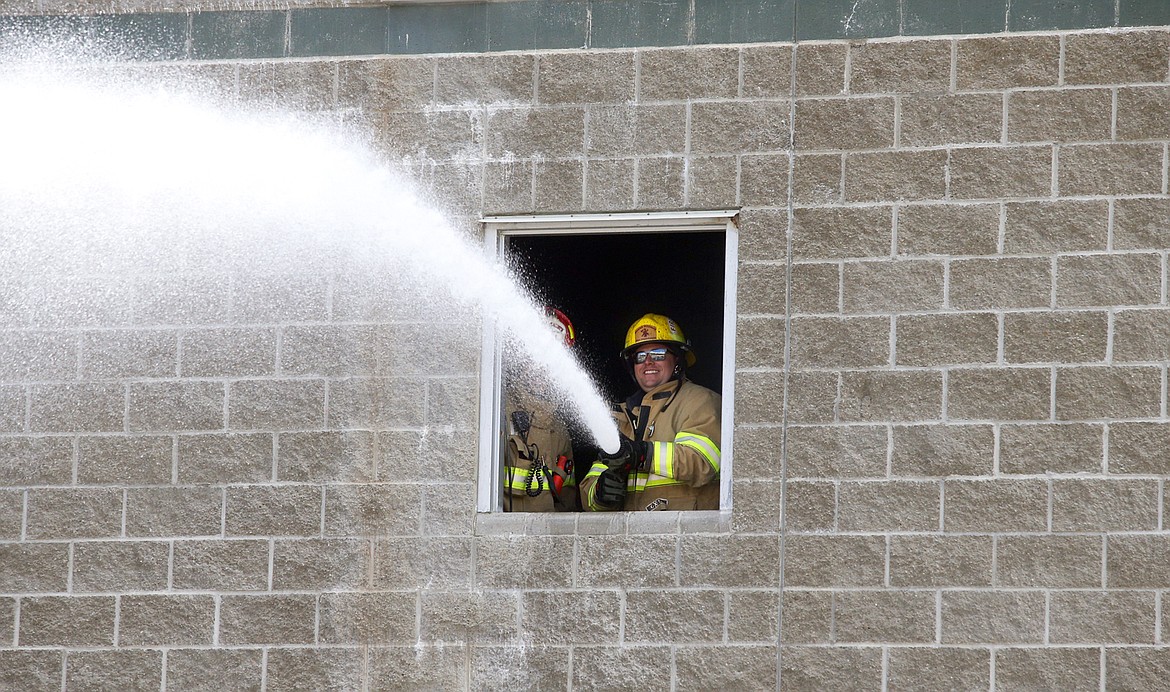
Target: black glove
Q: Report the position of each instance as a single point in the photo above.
(623, 458)
(610, 489)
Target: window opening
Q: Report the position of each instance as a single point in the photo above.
(606, 271)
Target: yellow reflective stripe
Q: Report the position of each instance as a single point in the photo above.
(519, 479)
(662, 459)
(705, 446)
(641, 480)
(594, 472)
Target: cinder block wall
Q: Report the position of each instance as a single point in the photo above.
(950, 433)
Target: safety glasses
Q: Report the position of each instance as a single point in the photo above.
(656, 355)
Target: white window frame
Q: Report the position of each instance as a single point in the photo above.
(496, 231)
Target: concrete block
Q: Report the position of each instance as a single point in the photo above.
(1141, 335)
(833, 342)
(710, 182)
(609, 184)
(208, 670)
(936, 119)
(449, 509)
(47, 355)
(268, 297)
(839, 561)
(820, 68)
(1108, 280)
(892, 286)
(756, 341)
(12, 409)
(279, 404)
(545, 132)
(176, 406)
(11, 514)
(895, 396)
(742, 560)
(597, 667)
(898, 505)
(1136, 668)
(138, 460)
(596, 614)
(123, 669)
(1063, 668)
(289, 84)
(807, 617)
(676, 74)
(321, 564)
(934, 561)
(118, 566)
(757, 452)
(904, 66)
(585, 77)
(819, 667)
(810, 506)
(760, 394)
(948, 229)
(453, 402)
(999, 393)
(298, 668)
(183, 300)
(726, 667)
(129, 354)
(995, 172)
(752, 616)
(34, 567)
(763, 181)
(767, 70)
(1137, 448)
(1060, 115)
(1049, 562)
(378, 86)
(818, 123)
(347, 456)
(721, 127)
(330, 350)
(760, 511)
(77, 407)
(817, 179)
(763, 234)
(1051, 448)
(1137, 113)
(1107, 392)
(372, 509)
(1046, 227)
(31, 669)
(281, 510)
(995, 505)
(166, 620)
(464, 79)
(1001, 283)
(626, 129)
(422, 562)
(1007, 62)
(939, 451)
(993, 617)
(59, 513)
(1102, 617)
(525, 562)
(434, 135)
(903, 617)
(946, 339)
(855, 451)
(1110, 169)
(227, 565)
(368, 618)
(523, 667)
(376, 403)
(841, 233)
(1105, 505)
(678, 616)
(904, 175)
(267, 619)
(478, 618)
(74, 621)
(1055, 337)
(1140, 223)
(225, 458)
(1137, 561)
(1116, 58)
(927, 668)
(632, 562)
(816, 287)
(761, 289)
(661, 182)
(559, 186)
(174, 511)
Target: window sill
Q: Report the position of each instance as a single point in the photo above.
(602, 523)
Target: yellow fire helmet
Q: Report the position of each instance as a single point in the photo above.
(658, 329)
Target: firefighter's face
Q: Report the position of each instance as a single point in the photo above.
(652, 372)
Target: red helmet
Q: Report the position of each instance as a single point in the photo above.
(561, 324)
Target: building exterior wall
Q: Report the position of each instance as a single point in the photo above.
(951, 397)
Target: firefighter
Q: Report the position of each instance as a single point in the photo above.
(669, 453)
(538, 456)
